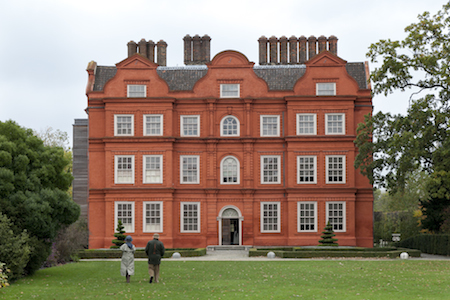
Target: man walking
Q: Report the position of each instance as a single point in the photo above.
(155, 250)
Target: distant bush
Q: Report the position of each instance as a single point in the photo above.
(119, 236)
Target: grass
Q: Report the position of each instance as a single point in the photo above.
(327, 279)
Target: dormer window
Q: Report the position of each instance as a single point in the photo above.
(326, 89)
(136, 91)
(229, 90)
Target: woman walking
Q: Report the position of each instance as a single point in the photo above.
(127, 264)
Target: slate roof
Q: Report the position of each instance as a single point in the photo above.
(358, 71)
(102, 75)
(278, 77)
(182, 78)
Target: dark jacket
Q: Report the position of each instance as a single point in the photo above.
(155, 250)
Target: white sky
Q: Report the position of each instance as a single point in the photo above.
(45, 45)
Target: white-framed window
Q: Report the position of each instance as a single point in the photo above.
(153, 125)
(229, 126)
(270, 169)
(335, 168)
(190, 125)
(190, 169)
(136, 91)
(335, 123)
(123, 125)
(326, 88)
(229, 170)
(307, 216)
(270, 216)
(306, 166)
(124, 211)
(229, 90)
(153, 216)
(124, 169)
(336, 215)
(153, 168)
(306, 124)
(270, 125)
(190, 216)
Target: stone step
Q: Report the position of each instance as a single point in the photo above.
(228, 247)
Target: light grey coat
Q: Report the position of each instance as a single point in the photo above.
(127, 264)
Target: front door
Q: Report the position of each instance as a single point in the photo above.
(230, 231)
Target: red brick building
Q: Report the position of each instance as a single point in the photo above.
(226, 152)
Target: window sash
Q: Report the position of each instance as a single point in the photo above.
(307, 217)
(136, 91)
(270, 217)
(124, 211)
(229, 90)
(152, 168)
(270, 125)
(326, 88)
(336, 215)
(189, 169)
(124, 169)
(229, 126)
(230, 171)
(190, 217)
(270, 170)
(335, 169)
(190, 125)
(335, 123)
(306, 168)
(306, 124)
(153, 125)
(153, 216)
(123, 125)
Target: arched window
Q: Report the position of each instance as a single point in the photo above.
(229, 170)
(229, 126)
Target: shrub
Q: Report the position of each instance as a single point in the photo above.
(120, 237)
(3, 276)
(69, 241)
(327, 236)
(15, 248)
(429, 243)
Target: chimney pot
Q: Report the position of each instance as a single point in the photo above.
(132, 48)
(293, 49)
(283, 50)
(206, 48)
(143, 48)
(303, 49)
(322, 43)
(262, 50)
(162, 55)
(312, 47)
(273, 46)
(332, 44)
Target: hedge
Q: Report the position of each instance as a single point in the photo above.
(429, 243)
(298, 252)
(140, 253)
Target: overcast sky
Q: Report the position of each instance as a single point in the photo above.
(46, 45)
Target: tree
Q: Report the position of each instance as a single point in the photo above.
(419, 141)
(33, 189)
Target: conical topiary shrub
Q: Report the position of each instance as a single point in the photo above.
(120, 236)
(327, 236)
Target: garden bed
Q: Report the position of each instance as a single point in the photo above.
(323, 252)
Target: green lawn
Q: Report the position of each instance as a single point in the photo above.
(328, 279)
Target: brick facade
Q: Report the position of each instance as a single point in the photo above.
(226, 152)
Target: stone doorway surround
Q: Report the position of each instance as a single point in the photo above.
(230, 212)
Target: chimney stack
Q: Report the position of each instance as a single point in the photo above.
(197, 50)
(285, 51)
(147, 49)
